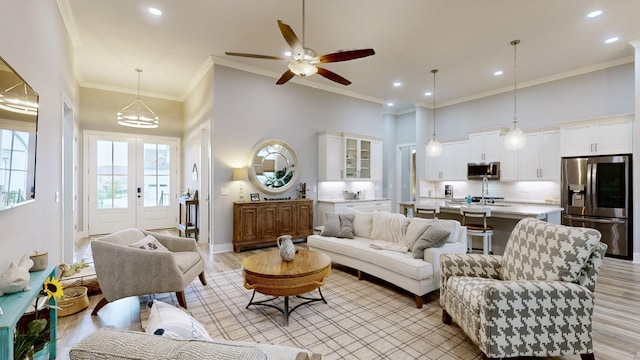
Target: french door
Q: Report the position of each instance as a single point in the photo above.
(132, 182)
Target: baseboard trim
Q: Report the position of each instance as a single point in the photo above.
(636, 258)
(222, 248)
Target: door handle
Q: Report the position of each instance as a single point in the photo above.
(139, 192)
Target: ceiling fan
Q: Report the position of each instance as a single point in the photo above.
(303, 61)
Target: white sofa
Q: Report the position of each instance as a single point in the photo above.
(418, 276)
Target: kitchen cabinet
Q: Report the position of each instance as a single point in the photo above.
(260, 223)
(600, 137)
(484, 147)
(451, 164)
(349, 157)
(539, 159)
(325, 206)
(330, 155)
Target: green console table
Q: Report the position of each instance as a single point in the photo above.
(14, 306)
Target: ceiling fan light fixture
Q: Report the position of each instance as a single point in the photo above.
(302, 68)
(137, 114)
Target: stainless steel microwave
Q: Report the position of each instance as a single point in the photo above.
(477, 171)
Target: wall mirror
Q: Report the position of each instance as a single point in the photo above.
(18, 128)
(273, 166)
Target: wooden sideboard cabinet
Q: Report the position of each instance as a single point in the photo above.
(260, 223)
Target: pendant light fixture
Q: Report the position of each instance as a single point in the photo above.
(137, 114)
(20, 99)
(515, 138)
(434, 148)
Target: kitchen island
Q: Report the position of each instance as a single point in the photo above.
(504, 215)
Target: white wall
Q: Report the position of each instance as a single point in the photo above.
(198, 111)
(33, 40)
(249, 108)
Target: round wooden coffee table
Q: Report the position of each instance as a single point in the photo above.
(267, 274)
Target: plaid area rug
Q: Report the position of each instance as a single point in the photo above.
(361, 320)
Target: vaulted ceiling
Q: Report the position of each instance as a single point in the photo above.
(467, 40)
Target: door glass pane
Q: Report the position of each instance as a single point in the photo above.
(14, 156)
(112, 174)
(611, 185)
(156, 174)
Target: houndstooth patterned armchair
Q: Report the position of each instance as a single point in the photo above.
(534, 300)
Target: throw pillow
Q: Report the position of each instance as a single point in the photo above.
(338, 225)
(416, 227)
(149, 243)
(175, 322)
(389, 227)
(434, 236)
(362, 222)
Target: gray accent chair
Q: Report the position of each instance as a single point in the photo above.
(536, 299)
(124, 271)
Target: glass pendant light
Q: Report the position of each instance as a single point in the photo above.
(515, 138)
(434, 148)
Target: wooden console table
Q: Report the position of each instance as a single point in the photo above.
(260, 223)
(14, 306)
(190, 224)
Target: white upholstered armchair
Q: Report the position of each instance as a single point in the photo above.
(124, 269)
(534, 300)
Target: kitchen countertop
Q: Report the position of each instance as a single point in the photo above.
(511, 210)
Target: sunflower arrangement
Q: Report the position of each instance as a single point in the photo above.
(37, 334)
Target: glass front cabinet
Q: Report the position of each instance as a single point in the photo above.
(362, 159)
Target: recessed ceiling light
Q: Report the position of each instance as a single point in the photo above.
(428, 93)
(595, 13)
(611, 40)
(155, 11)
(389, 104)
(397, 84)
(498, 73)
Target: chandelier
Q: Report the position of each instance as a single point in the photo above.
(24, 102)
(137, 114)
(515, 138)
(434, 148)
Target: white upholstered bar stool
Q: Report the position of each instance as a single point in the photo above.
(475, 229)
(429, 210)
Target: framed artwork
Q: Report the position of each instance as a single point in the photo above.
(255, 197)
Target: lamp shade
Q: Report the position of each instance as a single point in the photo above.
(515, 139)
(240, 174)
(434, 148)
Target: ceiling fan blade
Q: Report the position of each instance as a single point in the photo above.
(256, 56)
(345, 55)
(333, 76)
(291, 38)
(285, 77)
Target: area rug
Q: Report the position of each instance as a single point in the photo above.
(361, 320)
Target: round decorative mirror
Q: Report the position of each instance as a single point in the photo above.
(273, 166)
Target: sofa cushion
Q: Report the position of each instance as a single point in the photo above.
(359, 248)
(167, 320)
(149, 243)
(538, 250)
(362, 222)
(435, 235)
(186, 260)
(111, 344)
(338, 225)
(389, 227)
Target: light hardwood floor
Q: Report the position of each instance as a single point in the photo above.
(616, 329)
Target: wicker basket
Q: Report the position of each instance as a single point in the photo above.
(75, 299)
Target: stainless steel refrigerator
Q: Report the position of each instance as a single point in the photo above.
(596, 193)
